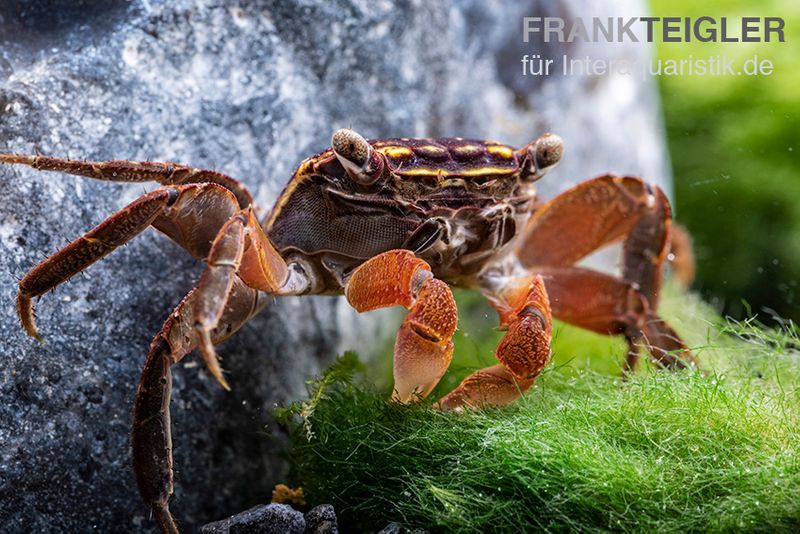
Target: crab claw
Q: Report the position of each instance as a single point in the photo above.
(361, 163)
(542, 155)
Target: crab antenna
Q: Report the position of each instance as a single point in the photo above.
(362, 164)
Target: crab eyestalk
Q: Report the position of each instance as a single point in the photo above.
(541, 155)
(361, 163)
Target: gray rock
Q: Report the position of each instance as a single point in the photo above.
(391, 528)
(264, 519)
(396, 528)
(248, 89)
(322, 520)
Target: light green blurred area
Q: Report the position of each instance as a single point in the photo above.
(736, 161)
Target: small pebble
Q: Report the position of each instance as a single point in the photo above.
(322, 520)
(262, 519)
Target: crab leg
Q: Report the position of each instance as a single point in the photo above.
(171, 208)
(152, 436)
(587, 217)
(596, 213)
(215, 286)
(240, 251)
(242, 269)
(607, 305)
(423, 347)
(134, 171)
(523, 352)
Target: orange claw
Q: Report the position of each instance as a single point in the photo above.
(491, 386)
(524, 310)
(433, 315)
(523, 352)
(423, 348)
(389, 279)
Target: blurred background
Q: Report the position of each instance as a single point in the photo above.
(733, 142)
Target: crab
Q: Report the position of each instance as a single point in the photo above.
(385, 222)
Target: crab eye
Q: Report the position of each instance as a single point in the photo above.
(361, 163)
(543, 155)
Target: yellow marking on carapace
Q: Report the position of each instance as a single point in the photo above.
(305, 165)
(500, 150)
(396, 152)
(430, 150)
(468, 150)
(478, 171)
(302, 173)
(483, 171)
(423, 171)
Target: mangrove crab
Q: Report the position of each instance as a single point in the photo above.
(385, 222)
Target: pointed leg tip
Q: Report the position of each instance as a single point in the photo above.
(211, 360)
(398, 400)
(29, 326)
(25, 313)
(223, 383)
(452, 402)
(449, 406)
(440, 405)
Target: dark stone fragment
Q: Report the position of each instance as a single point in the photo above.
(322, 520)
(263, 519)
(392, 528)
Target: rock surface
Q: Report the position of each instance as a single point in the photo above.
(277, 519)
(396, 528)
(265, 519)
(322, 520)
(248, 89)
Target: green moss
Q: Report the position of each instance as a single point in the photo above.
(581, 451)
